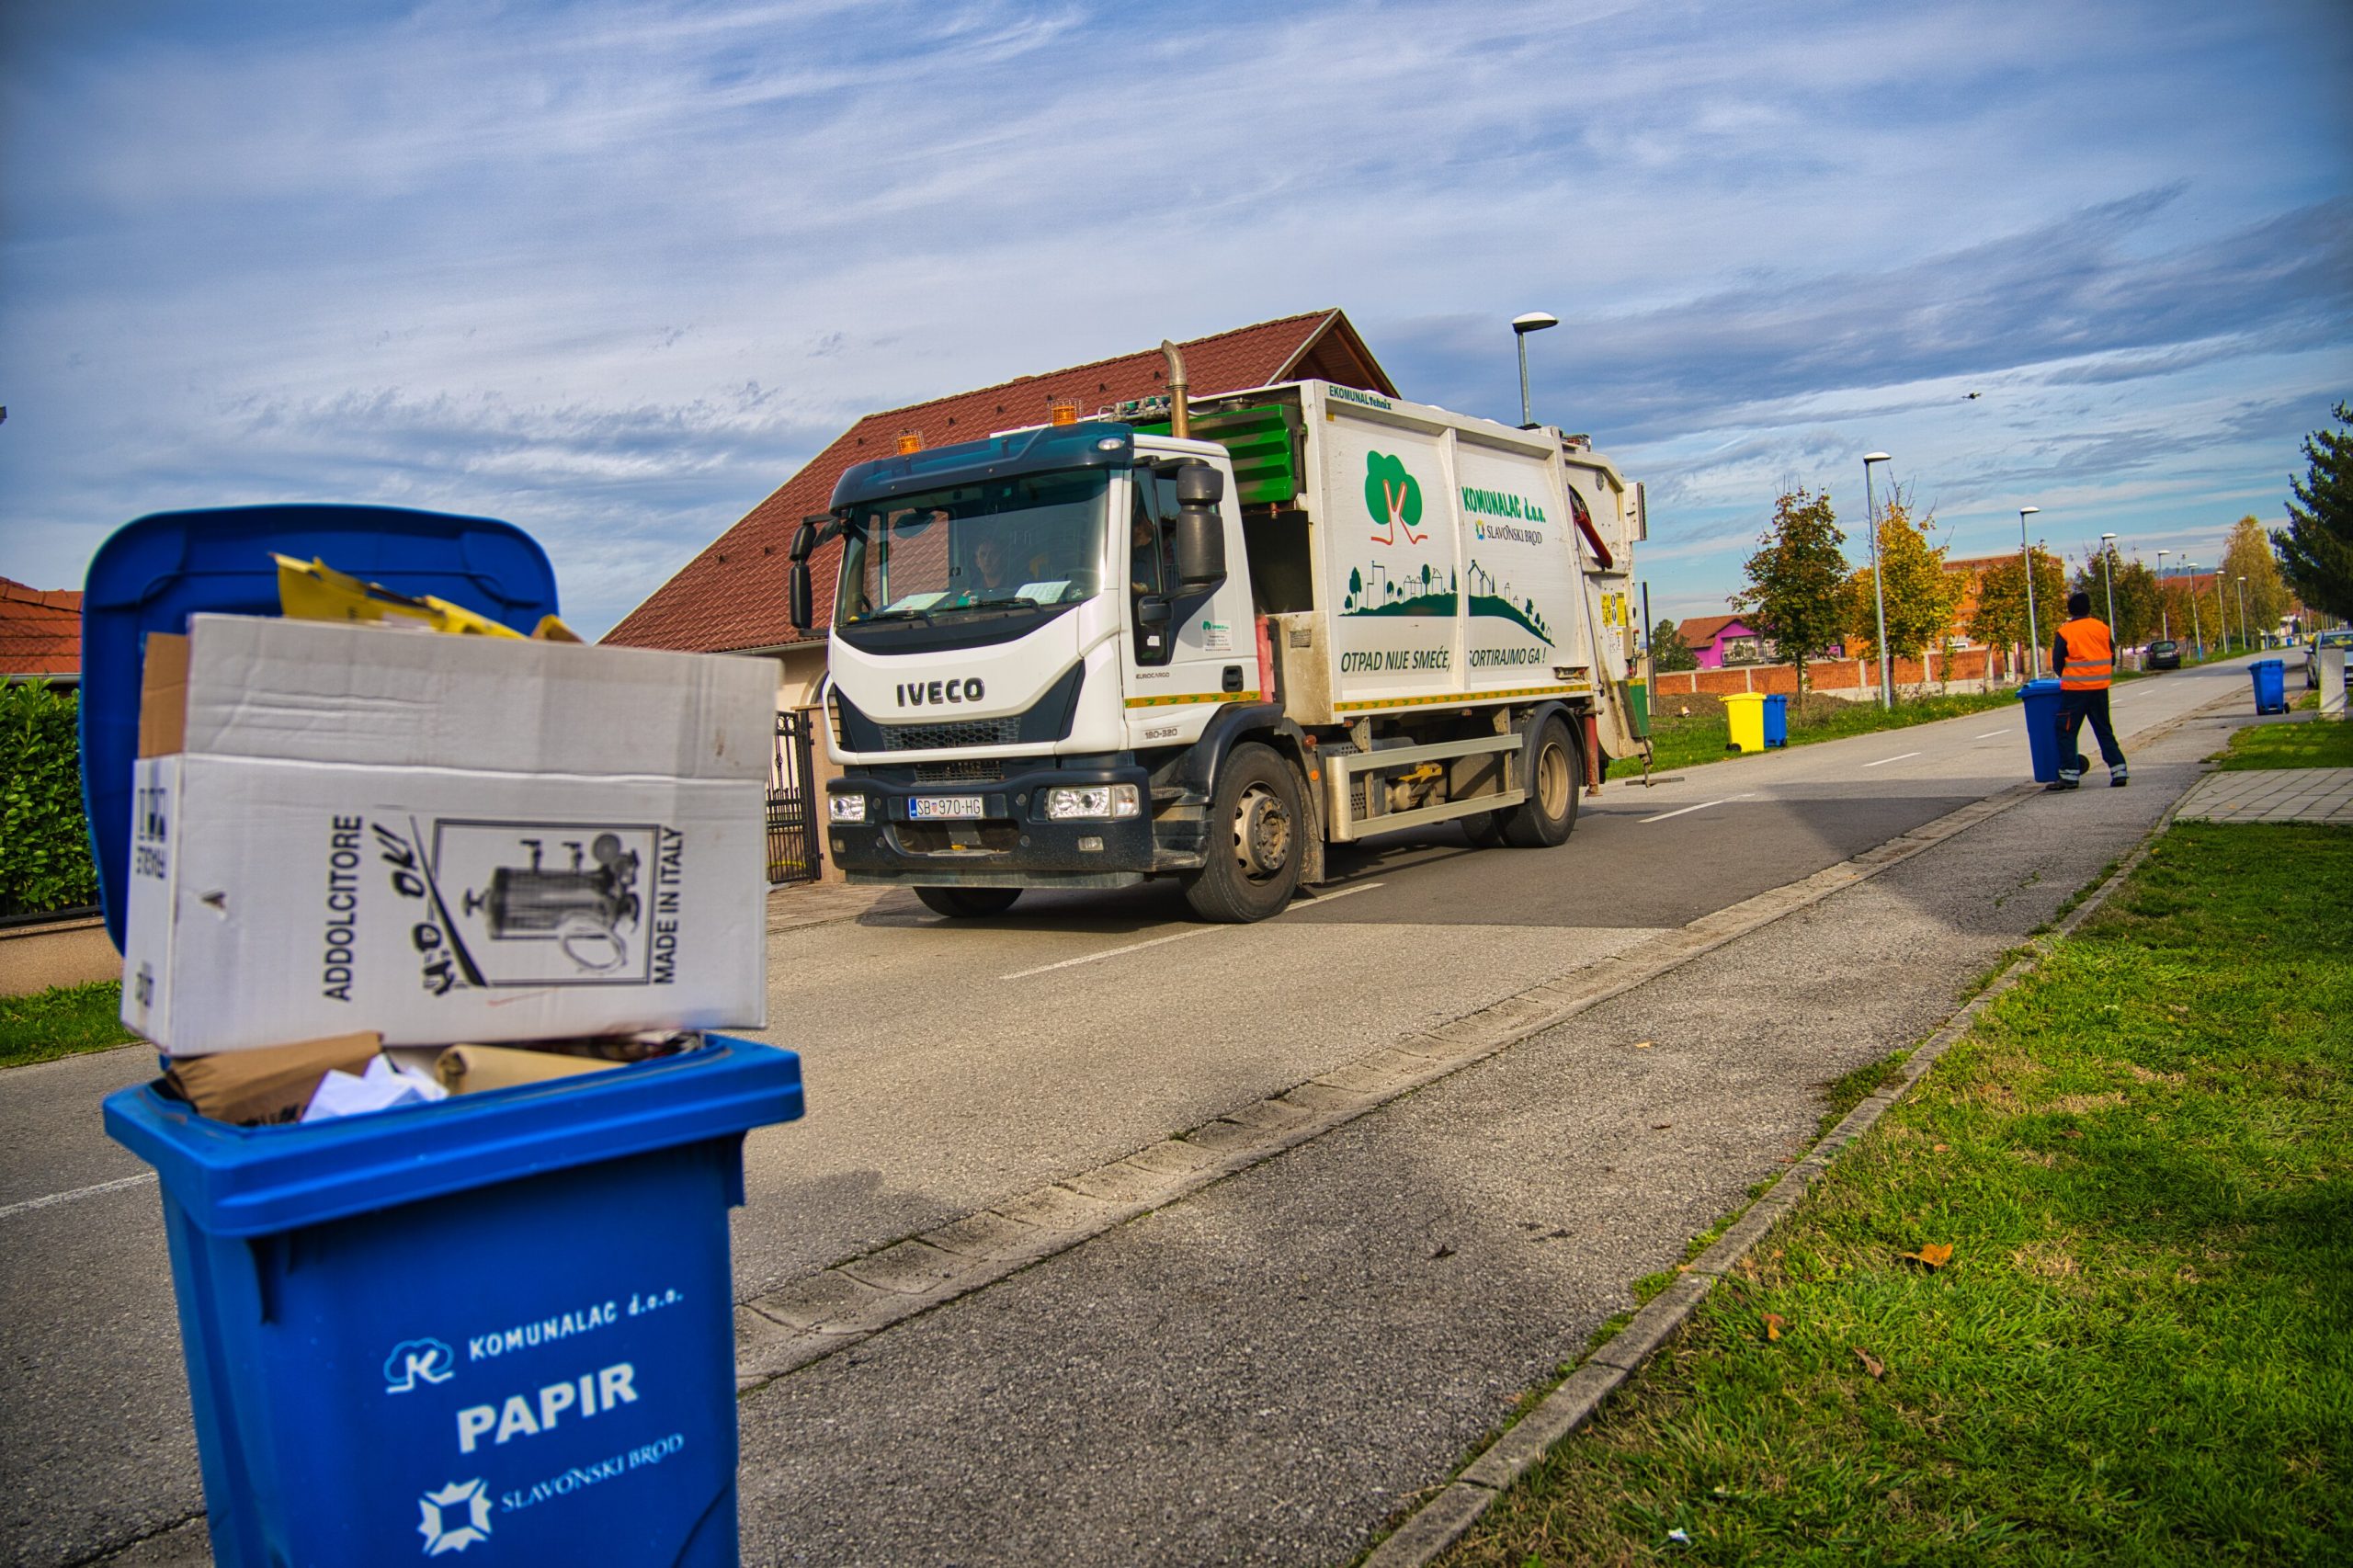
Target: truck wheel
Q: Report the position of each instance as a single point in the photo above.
(1253, 848)
(1554, 771)
(968, 904)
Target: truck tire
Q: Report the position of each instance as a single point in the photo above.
(1555, 772)
(1486, 830)
(968, 904)
(1252, 852)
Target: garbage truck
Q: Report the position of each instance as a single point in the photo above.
(1205, 639)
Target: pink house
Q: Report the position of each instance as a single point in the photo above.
(1720, 639)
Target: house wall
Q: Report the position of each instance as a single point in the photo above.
(1711, 653)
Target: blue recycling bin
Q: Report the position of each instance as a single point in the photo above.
(2270, 685)
(2041, 699)
(1777, 721)
(502, 1323)
(505, 1320)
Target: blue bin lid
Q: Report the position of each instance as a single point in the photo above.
(155, 572)
(2044, 685)
(250, 1181)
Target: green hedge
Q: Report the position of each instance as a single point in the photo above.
(44, 840)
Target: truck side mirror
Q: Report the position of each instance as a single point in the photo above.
(798, 593)
(804, 538)
(1201, 531)
(1198, 484)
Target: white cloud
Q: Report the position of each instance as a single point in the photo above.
(615, 270)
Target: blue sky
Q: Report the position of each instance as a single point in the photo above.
(614, 271)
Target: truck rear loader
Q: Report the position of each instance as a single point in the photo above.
(1204, 639)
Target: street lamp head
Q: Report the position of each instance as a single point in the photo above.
(2029, 511)
(1534, 321)
(1870, 457)
(2108, 539)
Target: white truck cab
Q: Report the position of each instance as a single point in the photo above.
(1087, 653)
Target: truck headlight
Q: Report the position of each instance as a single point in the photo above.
(848, 808)
(1066, 802)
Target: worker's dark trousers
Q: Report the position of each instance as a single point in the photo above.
(2075, 707)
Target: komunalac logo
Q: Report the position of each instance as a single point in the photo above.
(455, 1517)
(1393, 497)
(418, 1361)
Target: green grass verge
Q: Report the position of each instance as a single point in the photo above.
(61, 1021)
(2308, 742)
(1685, 740)
(2138, 1352)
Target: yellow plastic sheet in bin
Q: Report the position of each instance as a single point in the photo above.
(1747, 711)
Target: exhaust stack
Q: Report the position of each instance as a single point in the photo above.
(1180, 414)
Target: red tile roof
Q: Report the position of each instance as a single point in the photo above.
(41, 630)
(1700, 631)
(732, 596)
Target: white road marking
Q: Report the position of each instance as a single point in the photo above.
(1702, 806)
(1178, 936)
(1989, 734)
(29, 1204)
(1883, 762)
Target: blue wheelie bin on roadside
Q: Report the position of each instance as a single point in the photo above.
(503, 1324)
(2041, 699)
(2270, 685)
(1777, 721)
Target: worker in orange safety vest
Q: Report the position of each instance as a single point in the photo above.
(2083, 656)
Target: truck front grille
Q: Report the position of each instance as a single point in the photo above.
(959, 772)
(939, 737)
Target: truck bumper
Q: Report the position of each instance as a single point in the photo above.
(1012, 843)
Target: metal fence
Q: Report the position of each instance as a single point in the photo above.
(795, 848)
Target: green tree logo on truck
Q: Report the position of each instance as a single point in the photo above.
(1393, 497)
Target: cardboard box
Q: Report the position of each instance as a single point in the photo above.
(277, 894)
(258, 1088)
(322, 691)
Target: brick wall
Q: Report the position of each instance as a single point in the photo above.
(1853, 679)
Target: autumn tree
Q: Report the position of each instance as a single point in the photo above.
(2136, 604)
(2000, 618)
(1796, 592)
(2136, 619)
(2248, 554)
(2316, 547)
(1668, 651)
(1921, 595)
(2186, 614)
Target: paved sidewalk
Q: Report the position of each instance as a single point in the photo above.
(2272, 794)
(819, 903)
(1266, 1369)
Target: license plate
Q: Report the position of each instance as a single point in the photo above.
(932, 806)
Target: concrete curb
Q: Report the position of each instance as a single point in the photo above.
(1445, 1520)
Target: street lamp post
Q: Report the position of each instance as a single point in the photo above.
(2164, 611)
(1878, 578)
(2197, 626)
(1534, 321)
(2107, 568)
(2245, 642)
(2222, 613)
(2034, 636)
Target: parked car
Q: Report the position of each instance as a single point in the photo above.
(2164, 654)
(2341, 638)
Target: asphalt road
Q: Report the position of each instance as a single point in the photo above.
(953, 1065)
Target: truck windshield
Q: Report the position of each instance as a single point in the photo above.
(974, 551)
